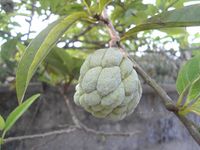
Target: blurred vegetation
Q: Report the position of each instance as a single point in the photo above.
(63, 63)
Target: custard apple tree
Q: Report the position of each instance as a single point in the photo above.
(106, 78)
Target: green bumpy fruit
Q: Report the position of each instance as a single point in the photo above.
(108, 85)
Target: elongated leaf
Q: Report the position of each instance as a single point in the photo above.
(2, 123)
(195, 108)
(186, 16)
(188, 73)
(38, 50)
(194, 91)
(102, 4)
(18, 112)
(1, 142)
(87, 4)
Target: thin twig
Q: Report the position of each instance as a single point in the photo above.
(111, 30)
(31, 18)
(99, 43)
(103, 133)
(78, 35)
(82, 126)
(83, 47)
(167, 101)
(70, 108)
(78, 126)
(41, 135)
(47, 16)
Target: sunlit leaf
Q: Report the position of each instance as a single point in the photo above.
(169, 19)
(2, 123)
(195, 108)
(87, 4)
(194, 91)
(1, 142)
(103, 4)
(188, 73)
(39, 48)
(18, 112)
(164, 5)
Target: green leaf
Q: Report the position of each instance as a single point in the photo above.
(195, 108)
(87, 4)
(8, 49)
(39, 48)
(160, 4)
(169, 19)
(175, 31)
(188, 73)
(2, 123)
(65, 62)
(55, 61)
(103, 4)
(1, 142)
(163, 4)
(18, 112)
(194, 91)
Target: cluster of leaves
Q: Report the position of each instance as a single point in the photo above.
(39, 48)
(124, 14)
(61, 65)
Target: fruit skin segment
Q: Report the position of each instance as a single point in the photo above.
(108, 86)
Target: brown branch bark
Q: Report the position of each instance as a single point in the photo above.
(167, 101)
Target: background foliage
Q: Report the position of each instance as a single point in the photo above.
(84, 37)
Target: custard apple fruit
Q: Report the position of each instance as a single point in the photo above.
(108, 85)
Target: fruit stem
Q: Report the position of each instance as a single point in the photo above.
(114, 42)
